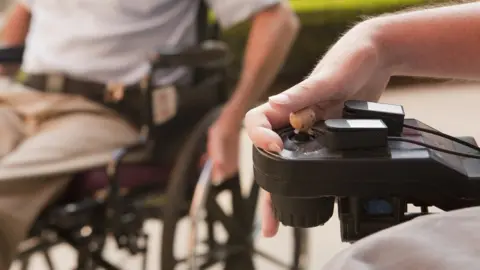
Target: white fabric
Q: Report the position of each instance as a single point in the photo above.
(110, 40)
(442, 241)
(229, 13)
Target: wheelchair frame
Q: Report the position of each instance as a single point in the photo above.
(85, 224)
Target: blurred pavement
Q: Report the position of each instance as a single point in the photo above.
(448, 107)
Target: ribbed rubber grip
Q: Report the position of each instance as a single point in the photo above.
(303, 213)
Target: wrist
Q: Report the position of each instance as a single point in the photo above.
(376, 34)
(233, 113)
(239, 102)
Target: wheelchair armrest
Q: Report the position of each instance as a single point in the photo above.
(209, 54)
(11, 54)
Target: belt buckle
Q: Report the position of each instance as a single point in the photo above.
(114, 92)
(54, 83)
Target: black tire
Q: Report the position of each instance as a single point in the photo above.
(179, 195)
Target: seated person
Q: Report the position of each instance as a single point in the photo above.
(48, 135)
(441, 42)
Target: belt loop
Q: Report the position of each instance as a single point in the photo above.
(145, 83)
(54, 83)
(114, 92)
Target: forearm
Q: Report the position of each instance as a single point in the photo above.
(16, 26)
(269, 42)
(440, 42)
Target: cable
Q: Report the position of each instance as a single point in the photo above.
(400, 139)
(441, 134)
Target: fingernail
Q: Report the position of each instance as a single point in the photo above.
(280, 99)
(273, 147)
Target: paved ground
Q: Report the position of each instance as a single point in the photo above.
(450, 108)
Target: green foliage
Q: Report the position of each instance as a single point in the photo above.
(317, 5)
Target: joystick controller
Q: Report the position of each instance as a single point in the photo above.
(372, 162)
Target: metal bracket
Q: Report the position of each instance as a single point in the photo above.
(114, 92)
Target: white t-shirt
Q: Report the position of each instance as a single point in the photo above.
(111, 40)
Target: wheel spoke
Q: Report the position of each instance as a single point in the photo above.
(251, 202)
(271, 259)
(208, 263)
(229, 223)
(210, 232)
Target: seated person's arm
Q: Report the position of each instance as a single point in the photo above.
(271, 36)
(273, 30)
(16, 25)
(14, 32)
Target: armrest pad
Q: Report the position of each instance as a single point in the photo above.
(209, 54)
(11, 54)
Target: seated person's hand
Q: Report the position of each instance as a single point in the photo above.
(354, 68)
(222, 145)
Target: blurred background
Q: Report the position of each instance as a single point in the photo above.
(5, 3)
(323, 21)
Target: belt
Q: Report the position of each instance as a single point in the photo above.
(135, 105)
(126, 100)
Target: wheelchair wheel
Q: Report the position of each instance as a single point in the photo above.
(237, 249)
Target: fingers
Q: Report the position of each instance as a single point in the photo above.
(216, 155)
(313, 92)
(269, 222)
(259, 123)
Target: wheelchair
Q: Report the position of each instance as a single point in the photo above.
(115, 201)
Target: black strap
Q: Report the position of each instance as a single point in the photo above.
(205, 30)
(202, 22)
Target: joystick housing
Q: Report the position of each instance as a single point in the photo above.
(372, 183)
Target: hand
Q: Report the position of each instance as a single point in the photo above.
(354, 68)
(223, 145)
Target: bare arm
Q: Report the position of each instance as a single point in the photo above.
(16, 26)
(271, 37)
(439, 42)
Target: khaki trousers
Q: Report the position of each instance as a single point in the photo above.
(45, 137)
